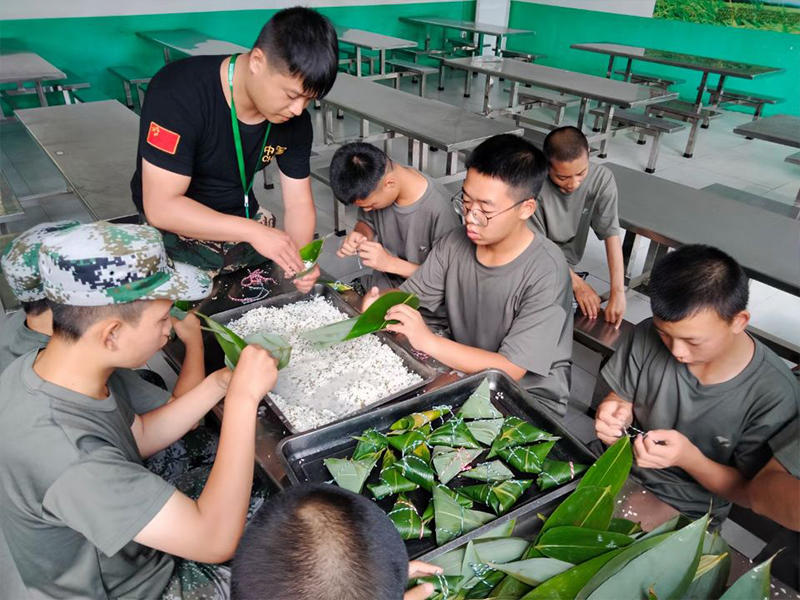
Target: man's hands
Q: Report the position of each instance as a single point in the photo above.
(188, 330)
(277, 246)
(416, 569)
(375, 256)
(411, 324)
(351, 243)
(611, 420)
(615, 309)
(586, 297)
(255, 375)
(662, 448)
(307, 281)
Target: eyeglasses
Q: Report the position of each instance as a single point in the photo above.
(480, 218)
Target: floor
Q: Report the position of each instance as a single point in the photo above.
(719, 157)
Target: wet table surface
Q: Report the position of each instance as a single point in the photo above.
(191, 42)
(372, 41)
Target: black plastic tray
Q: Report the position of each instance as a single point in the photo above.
(403, 350)
(302, 455)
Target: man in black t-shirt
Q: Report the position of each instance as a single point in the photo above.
(194, 170)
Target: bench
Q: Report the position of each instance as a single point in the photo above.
(728, 96)
(523, 56)
(88, 94)
(141, 89)
(465, 45)
(10, 207)
(130, 77)
(651, 79)
(60, 86)
(408, 67)
(684, 111)
(370, 59)
(541, 97)
(646, 125)
(793, 158)
(779, 208)
(783, 348)
(599, 336)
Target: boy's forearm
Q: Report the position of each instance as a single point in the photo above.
(717, 478)
(773, 493)
(616, 264)
(468, 359)
(193, 369)
(167, 424)
(401, 267)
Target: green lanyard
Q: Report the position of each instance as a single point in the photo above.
(237, 138)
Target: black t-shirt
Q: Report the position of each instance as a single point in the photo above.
(186, 129)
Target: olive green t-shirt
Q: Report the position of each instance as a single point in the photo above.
(522, 310)
(566, 218)
(730, 422)
(74, 492)
(16, 339)
(786, 448)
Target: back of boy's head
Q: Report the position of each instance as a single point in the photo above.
(20, 265)
(356, 171)
(695, 278)
(513, 160)
(320, 542)
(94, 271)
(565, 144)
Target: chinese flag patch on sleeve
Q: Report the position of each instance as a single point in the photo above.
(163, 139)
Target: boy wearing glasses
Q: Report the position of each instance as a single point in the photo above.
(507, 289)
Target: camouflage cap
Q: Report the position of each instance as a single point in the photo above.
(20, 260)
(101, 264)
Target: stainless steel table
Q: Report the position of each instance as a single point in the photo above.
(766, 244)
(704, 64)
(480, 29)
(19, 66)
(10, 208)
(423, 121)
(588, 87)
(366, 40)
(189, 43)
(94, 146)
(778, 129)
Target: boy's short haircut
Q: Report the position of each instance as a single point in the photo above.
(356, 170)
(36, 307)
(303, 43)
(513, 160)
(320, 542)
(71, 322)
(695, 278)
(565, 144)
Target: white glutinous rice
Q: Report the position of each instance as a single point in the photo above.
(321, 385)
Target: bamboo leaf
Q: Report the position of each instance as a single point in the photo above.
(370, 442)
(570, 582)
(408, 441)
(528, 459)
(452, 519)
(420, 419)
(579, 544)
(500, 550)
(451, 561)
(557, 472)
(449, 462)
(753, 585)
(485, 581)
(712, 570)
(453, 433)
(620, 525)
(501, 531)
(278, 347)
(391, 480)
(533, 571)
(498, 496)
(350, 474)
(665, 527)
(231, 344)
(485, 430)
(489, 471)
(310, 254)
(406, 519)
(479, 404)
(612, 468)
(330, 334)
(444, 584)
(416, 469)
(588, 507)
(516, 432)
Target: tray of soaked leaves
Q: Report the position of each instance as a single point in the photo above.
(447, 462)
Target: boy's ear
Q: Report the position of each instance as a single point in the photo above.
(528, 208)
(389, 181)
(740, 321)
(109, 334)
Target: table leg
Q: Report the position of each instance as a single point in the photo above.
(382, 54)
(629, 251)
(423, 157)
(582, 112)
(364, 128)
(467, 84)
(479, 50)
(714, 100)
(698, 109)
(498, 45)
(414, 158)
(451, 167)
(610, 69)
(628, 69)
(327, 123)
(513, 94)
(608, 116)
(358, 61)
(40, 93)
(166, 54)
(487, 94)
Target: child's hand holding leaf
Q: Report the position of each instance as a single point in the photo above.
(411, 324)
(188, 330)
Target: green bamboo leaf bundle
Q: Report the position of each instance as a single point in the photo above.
(420, 419)
(533, 571)
(498, 496)
(277, 346)
(517, 432)
(579, 544)
(391, 480)
(528, 459)
(351, 474)
(449, 462)
(752, 585)
(570, 582)
(369, 442)
(489, 471)
(486, 579)
(453, 520)
(409, 441)
(445, 585)
(462, 500)
(310, 254)
(612, 468)
(485, 430)
(416, 469)
(371, 320)
(406, 519)
(557, 472)
(587, 507)
(453, 433)
(479, 404)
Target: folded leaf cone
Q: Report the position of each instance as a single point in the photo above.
(452, 519)
(369, 442)
(479, 404)
(391, 480)
(516, 432)
(351, 474)
(489, 471)
(309, 254)
(420, 419)
(557, 472)
(485, 430)
(406, 519)
(408, 441)
(449, 462)
(498, 496)
(453, 433)
(416, 469)
(528, 459)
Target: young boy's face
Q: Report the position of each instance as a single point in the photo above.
(501, 205)
(384, 195)
(568, 176)
(700, 338)
(137, 343)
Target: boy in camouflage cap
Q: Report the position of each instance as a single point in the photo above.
(82, 516)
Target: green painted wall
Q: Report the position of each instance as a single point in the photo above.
(87, 46)
(557, 28)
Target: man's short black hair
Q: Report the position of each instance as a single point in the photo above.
(513, 160)
(35, 307)
(305, 45)
(71, 322)
(565, 144)
(695, 278)
(320, 542)
(356, 170)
